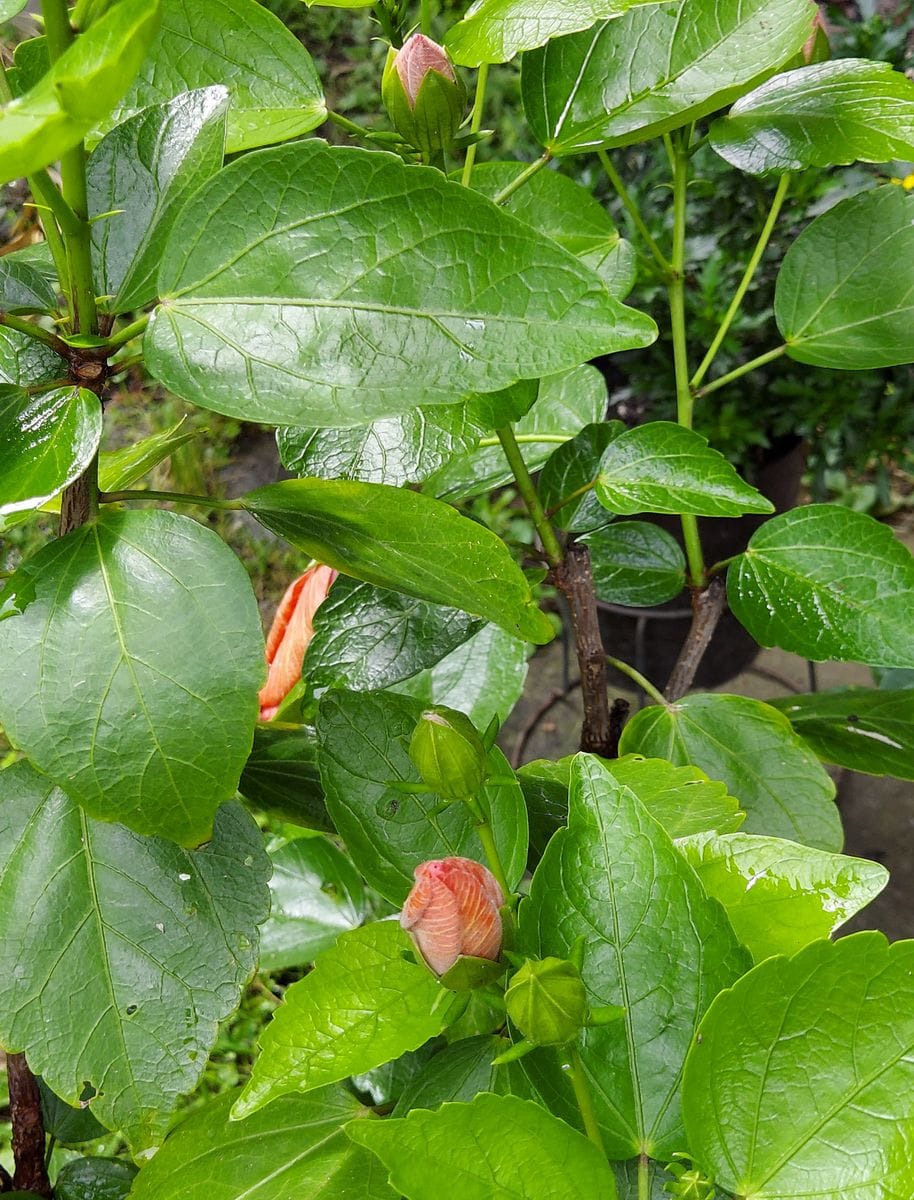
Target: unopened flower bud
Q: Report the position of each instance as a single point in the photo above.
(452, 911)
(424, 98)
(547, 1001)
(290, 634)
(448, 752)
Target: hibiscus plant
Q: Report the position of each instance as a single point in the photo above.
(607, 975)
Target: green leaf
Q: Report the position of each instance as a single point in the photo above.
(565, 404)
(281, 777)
(23, 288)
(367, 638)
(364, 740)
(46, 441)
(569, 214)
(656, 69)
(406, 541)
(483, 678)
(780, 895)
(31, 61)
(653, 943)
(26, 362)
(316, 893)
(493, 31)
(863, 730)
(573, 467)
(635, 562)
(752, 748)
(141, 174)
(800, 1082)
(81, 87)
(344, 316)
(663, 467)
(837, 112)
(293, 1149)
(230, 43)
(69, 1124)
(160, 746)
(118, 469)
(458, 1073)
(10, 8)
(843, 294)
(494, 1148)
(155, 941)
(362, 1005)
(94, 1179)
(826, 582)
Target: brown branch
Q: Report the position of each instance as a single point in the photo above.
(28, 1128)
(575, 579)
(707, 608)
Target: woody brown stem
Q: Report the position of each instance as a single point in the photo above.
(574, 578)
(708, 607)
(28, 1128)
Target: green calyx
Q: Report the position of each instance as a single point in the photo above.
(448, 752)
(428, 119)
(547, 1001)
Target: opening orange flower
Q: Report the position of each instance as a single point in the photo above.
(290, 633)
(453, 910)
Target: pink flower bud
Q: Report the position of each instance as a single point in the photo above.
(453, 910)
(290, 633)
(418, 56)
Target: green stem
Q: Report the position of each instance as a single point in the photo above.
(530, 495)
(578, 492)
(425, 17)
(644, 1178)
(632, 209)
(738, 372)
(751, 267)
(530, 439)
(482, 78)
(645, 684)
(173, 497)
(575, 1069)
(128, 333)
(383, 18)
(345, 123)
(484, 829)
(48, 195)
(32, 330)
(507, 192)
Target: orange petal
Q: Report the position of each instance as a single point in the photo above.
(290, 633)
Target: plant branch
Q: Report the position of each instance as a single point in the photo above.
(632, 209)
(345, 123)
(707, 609)
(30, 329)
(482, 78)
(507, 192)
(574, 578)
(31, 1174)
(738, 372)
(128, 333)
(530, 495)
(529, 439)
(751, 267)
(170, 497)
(575, 1070)
(636, 677)
(644, 1178)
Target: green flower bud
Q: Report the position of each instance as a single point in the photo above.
(547, 1001)
(448, 753)
(424, 98)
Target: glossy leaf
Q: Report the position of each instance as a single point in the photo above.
(82, 86)
(94, 1178)
(656, 69)
(23, 288)
(367, 638)
(799, 1085)
(826, 582)
(160, 746)
(653, 943)
(779, 895)
(228, 42)
(316, 893)
(635, 563)
(155, 941)
(843, 294)
(863, 730)
(458, 1073)
(665, 468)
(10, 8)
(364, 740)
(831, 113)
(468, 1145)
(345, 316)
(292, 1149)
(406, 541)
(362, 1005)
(26, 362)
(281, 777)
(752, 748)
(118, 469)
(140, 175)
(570, 469)
(46, 441)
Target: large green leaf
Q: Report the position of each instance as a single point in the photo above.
(26, 362)
(826, 582)
(23, 288)
(274, 88)
(494, 1148)
(780, 895)
(293, 1149)
(364, 1003)
(663, 467)
(800, 1083)
(151, 943)
(129, 666)
(752, 748)
(844, 291)
(403, 540)
(635, 562)
(367, 638)
(656, 69)
(81, 87)
(46, 441)
(458, 1073)
(364, 753)
(569, 470)
(315, 308)
(138, 178)
(281, 777)
(864, 730)
(653, 943)
(819, 116)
